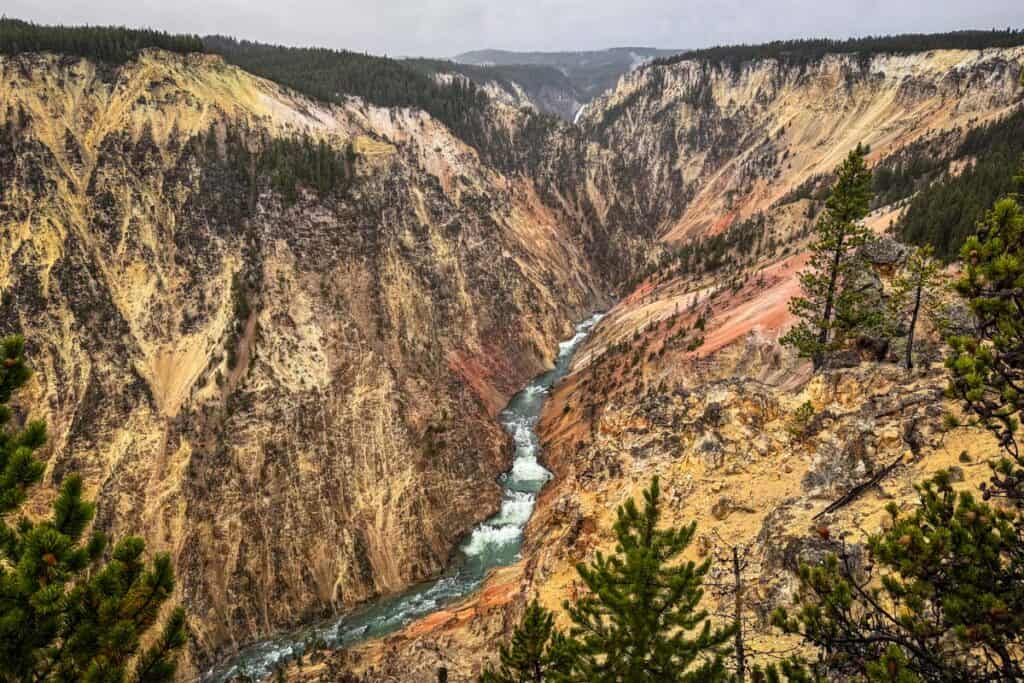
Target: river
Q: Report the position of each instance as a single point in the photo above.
(493, 543)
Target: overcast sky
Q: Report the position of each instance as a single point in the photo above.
(445, 28)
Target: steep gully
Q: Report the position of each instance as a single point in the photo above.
(494, 543)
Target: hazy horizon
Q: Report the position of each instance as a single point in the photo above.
(435, 28)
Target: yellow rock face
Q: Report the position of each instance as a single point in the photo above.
(331, 440)
(715, 422)
(297, 401)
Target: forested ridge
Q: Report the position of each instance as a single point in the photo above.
(115, 44)
(331, 75)
(805, 51)
(944, 213)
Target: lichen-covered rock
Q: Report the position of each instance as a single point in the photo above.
(885, 252)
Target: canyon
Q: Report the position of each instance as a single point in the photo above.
(299, 400)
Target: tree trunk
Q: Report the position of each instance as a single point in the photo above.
(913, 324)
(826, 317)
(741, 658)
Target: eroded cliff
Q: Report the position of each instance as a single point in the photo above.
(295, 395)
(727, 141)
(684, 378)
(294, 398)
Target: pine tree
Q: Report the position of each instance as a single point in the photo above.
(637, 623)
(988, 367)
(916, 286)
(65, 613)
(839, 235)
(947, 606)
(536, 653)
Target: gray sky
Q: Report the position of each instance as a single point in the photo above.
(446, 27)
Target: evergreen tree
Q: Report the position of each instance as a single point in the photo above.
(826, 299)
(946, 212)
(65, 613)
(537, 651)
(947, 606)
(988, 367)
(637, 623)
(916, 287)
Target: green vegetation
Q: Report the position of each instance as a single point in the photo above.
(635, 624)
(536, 653)
(800, 421)
(988, 367)
(115, 44)
(831, 311)
(68, 611)
(911, 169)
(947, 604)
(291, 162)
(259, 161)
(639, 621)
(916, 286)
(941, 598)
(803, 52)
(945, 213)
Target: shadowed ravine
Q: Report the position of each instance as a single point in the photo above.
(493, 543)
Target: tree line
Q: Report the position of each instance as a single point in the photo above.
(115, 44)
(807, 51)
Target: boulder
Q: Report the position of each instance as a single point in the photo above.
(885, 251)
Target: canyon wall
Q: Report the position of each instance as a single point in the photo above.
(295, 399)
(685, 379)
(722, 142)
